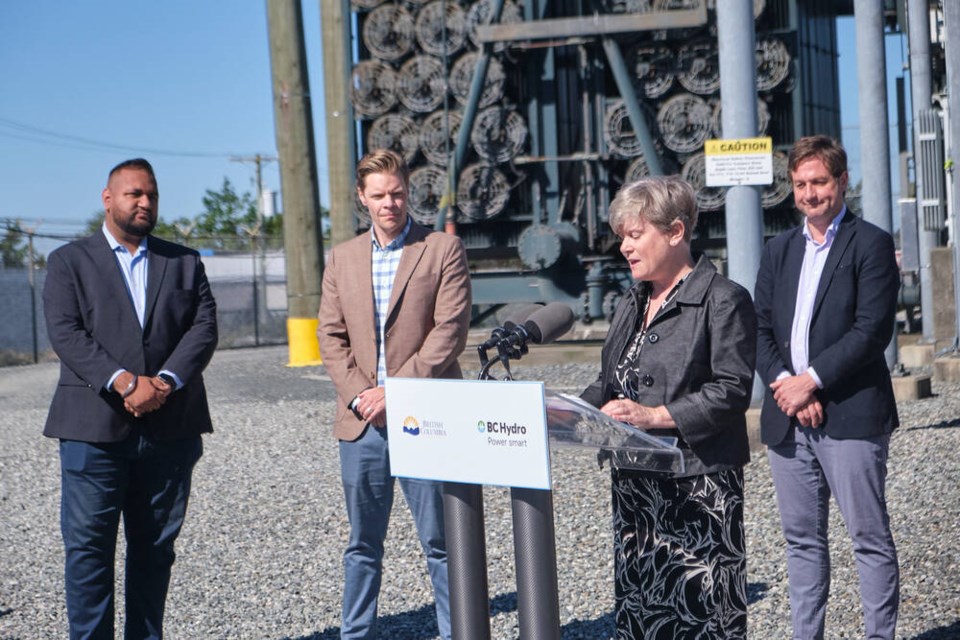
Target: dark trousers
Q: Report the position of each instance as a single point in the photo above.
(149, 483)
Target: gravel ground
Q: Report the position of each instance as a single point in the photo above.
(260, 555)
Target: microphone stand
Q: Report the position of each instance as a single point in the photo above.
(538, 606)
(506, 351)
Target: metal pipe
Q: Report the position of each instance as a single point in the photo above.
(588, 179)
(951, 25)
(470, 113)
(593, 25)
(738, 90)
(921, 90)
(736, 40)
(625, 85)
(874, 149)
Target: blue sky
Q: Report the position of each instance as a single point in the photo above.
(185, 83)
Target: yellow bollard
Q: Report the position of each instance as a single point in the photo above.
(302, 341)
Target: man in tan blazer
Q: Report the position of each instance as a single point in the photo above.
(396, 302)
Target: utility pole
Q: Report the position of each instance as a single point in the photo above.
(258, 160)
(298, 178)
(257, 248)
(341, 154)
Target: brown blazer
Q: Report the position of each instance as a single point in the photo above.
(427, 322)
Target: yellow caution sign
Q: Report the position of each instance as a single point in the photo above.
(742, 161)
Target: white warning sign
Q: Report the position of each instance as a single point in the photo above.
(744, 161)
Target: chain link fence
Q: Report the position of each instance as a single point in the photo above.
(247, 277)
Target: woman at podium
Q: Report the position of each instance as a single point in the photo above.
(678, 361)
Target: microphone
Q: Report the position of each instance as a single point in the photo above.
(532, 323)
(512, 322)
(549, 323)
(544, 325)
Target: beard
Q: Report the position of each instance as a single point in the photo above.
(133, 225)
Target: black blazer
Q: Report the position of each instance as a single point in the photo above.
(851, 325)
(698, 361)
(93, 328)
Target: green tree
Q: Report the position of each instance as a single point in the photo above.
(15, 247)
(226, 212)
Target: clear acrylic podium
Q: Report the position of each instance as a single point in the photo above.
(570, 423)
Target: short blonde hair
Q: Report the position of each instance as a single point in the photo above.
(382, 161)
(658, 200)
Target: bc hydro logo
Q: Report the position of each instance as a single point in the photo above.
(501, 428)
(411, 426)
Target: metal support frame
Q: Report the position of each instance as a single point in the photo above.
(595, 25)
(622, 77)
(469, 114)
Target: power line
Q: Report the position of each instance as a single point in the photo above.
(31, 133)
(75, 142)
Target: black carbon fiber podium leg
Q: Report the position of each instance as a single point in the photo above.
(467, 561)
(536, 557)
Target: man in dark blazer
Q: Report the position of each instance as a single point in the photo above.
(826, 298)
(133, 322)
(396, 302)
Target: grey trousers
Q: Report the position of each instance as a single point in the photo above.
(809, 466)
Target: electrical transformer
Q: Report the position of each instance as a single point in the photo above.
(519, 121)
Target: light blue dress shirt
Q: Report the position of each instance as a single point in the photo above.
(133, 266)
(814, 259)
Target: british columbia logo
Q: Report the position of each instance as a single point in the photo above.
(411, 426)
(425, 428)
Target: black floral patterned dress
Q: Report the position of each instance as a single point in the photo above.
(679, 546)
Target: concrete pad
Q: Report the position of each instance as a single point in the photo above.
(912, 387)
(947, 369)
(914, 356)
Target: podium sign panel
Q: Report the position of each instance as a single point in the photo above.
(468, 431)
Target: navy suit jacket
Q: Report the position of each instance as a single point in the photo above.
(852, 323)
(94, 330)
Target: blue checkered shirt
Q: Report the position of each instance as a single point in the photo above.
(385, 261)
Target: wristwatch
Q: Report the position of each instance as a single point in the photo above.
(169, 379)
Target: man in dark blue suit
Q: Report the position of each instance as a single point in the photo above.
(133, 321)
(826, 297)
